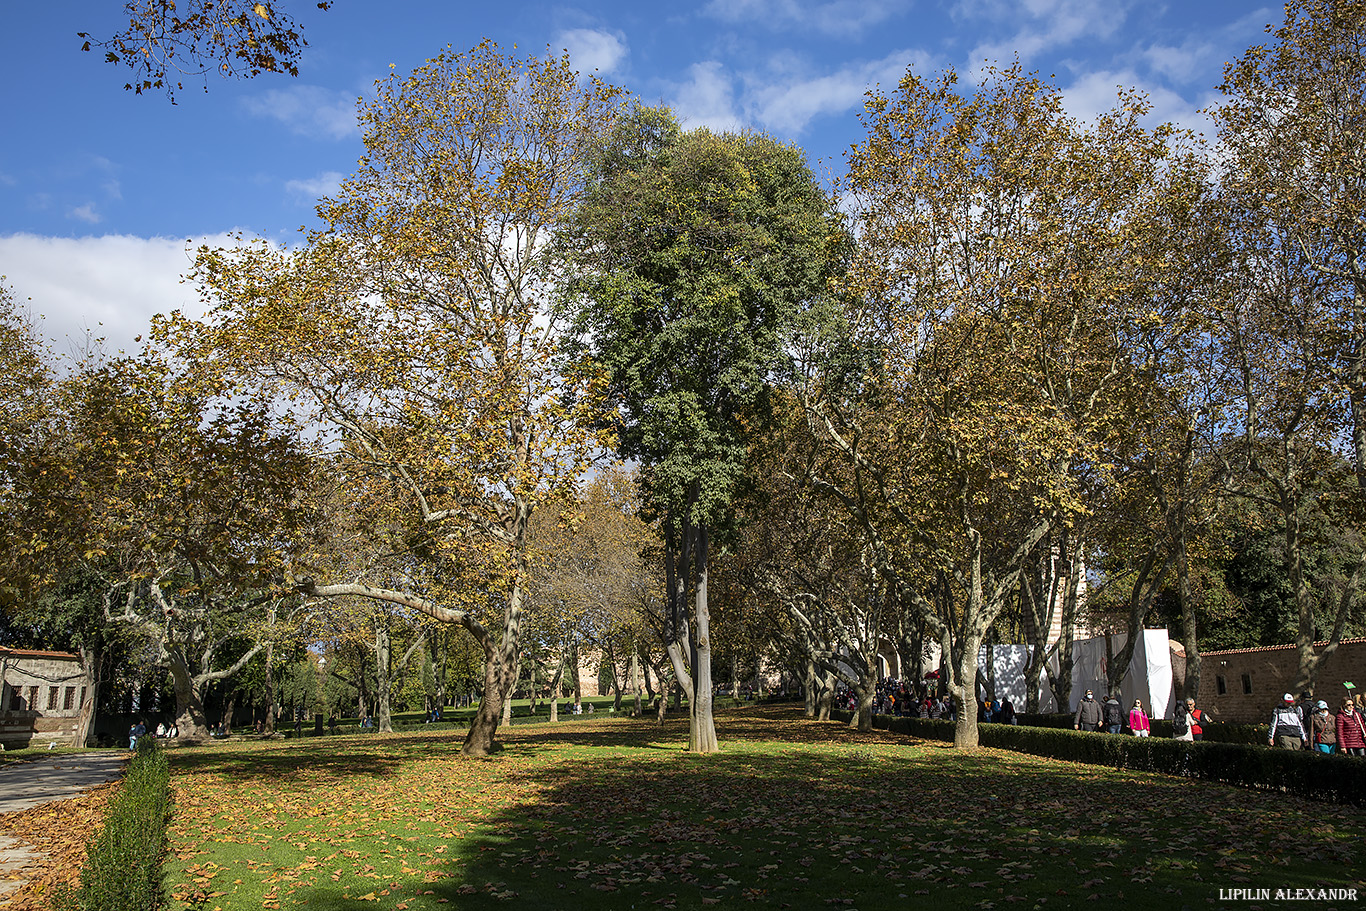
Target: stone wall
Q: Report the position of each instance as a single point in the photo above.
(41, 697)
(1244, 685)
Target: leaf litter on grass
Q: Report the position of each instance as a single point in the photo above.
(613, 814)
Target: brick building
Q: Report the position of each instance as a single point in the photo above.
(41, 697)
(1245, 684)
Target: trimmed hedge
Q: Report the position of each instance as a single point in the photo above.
(122, 869)
(1335, 779)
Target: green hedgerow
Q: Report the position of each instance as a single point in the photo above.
(123, 862)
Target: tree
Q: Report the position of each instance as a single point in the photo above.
(1294, 322)
(692, 254)
(415, 327)
(164, 42)
(980, 377)
(176, 504)
(25, 406)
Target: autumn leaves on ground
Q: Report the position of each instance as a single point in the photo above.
(612, 813)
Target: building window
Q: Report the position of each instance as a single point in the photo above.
(69, 699)
(13, 699)
(33, 699)
(1247, 685)
(1221, 685)
(52, 698)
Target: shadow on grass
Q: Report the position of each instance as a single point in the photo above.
(794, 814)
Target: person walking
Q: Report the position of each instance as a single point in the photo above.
(1324, 728)
(1351, 730)
(1287, 731)
(1088, 713)
(1138, 720)
(1199, 720)
(1182, 722)
(1114, 714)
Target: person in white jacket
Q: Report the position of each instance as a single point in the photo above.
(1287, 730)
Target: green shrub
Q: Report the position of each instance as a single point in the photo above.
(1336, 779)
(123, 862)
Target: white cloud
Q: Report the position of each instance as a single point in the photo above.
(325, 184)
(787, 105)
(86, 213)
(707, 99)
(835, 19)
(1097, 92)
(590, 49)
(110, 285)
(1048, 26)
(309, 110)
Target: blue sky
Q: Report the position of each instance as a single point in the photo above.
(101, 189)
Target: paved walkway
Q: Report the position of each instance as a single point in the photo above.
(30, 784)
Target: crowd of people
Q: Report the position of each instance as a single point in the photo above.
(896, 697)
(1309, 725)
(1304, 725)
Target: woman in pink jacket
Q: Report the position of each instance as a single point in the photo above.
(1138, 721)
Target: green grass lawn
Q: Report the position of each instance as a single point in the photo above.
(613, 814)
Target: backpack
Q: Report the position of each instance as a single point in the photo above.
(1179, 727)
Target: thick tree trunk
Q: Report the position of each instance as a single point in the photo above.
(480, 739)
(500, 672)
(965, 734)
(865, 691)
(92, 660)
(190, 718)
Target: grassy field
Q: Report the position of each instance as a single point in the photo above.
(611, 813)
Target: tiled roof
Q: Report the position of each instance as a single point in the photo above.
(32, 653)
(1272, 648)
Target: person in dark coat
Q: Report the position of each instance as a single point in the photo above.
(1088, 713)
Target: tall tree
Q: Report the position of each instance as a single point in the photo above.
(181, 500)
(1293, 123)
(416, 325)
(693, 254)
(987, 314)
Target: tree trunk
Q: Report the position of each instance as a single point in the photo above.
(189, 702)
(92, 659)
(646, 668)
(865, 691)
(269, 723)
(702, 730)
(511, 691)
(578, 677)
(965, 734)
(383, 680)
(635, 681)
(555, 690)
(480, 739)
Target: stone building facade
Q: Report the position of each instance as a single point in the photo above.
(41, 699)
(1245, 684)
